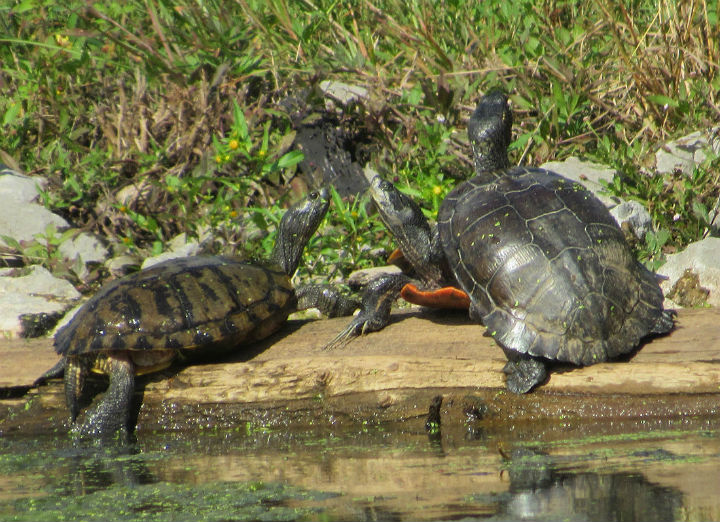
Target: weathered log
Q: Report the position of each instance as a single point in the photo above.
(396, 372)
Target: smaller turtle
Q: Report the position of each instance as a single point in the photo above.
(544, 264)
(188, 308)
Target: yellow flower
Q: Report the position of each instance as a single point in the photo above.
(62, 40)
(262, 153)
(218, 158)
(127, 240)
(437, 190)
(234, 144)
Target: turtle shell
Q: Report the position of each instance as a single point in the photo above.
(197, 305)
(547, 268)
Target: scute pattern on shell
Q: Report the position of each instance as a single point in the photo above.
(547, 268)
(181, 304)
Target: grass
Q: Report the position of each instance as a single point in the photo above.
(152, 118)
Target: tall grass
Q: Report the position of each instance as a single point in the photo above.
(104, 96)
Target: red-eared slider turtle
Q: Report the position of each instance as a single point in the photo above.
(197, 306)
(546, 267)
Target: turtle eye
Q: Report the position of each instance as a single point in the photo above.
(314, 194)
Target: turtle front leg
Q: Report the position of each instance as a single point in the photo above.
(377, 301)
(111, 415)
(524, 373)
(327, 299)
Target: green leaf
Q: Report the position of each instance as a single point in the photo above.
(660, 99)
(290, 159)
(701, 211)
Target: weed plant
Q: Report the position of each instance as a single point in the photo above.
(151, 118)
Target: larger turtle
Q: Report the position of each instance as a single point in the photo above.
(186, 308)
(546, 267)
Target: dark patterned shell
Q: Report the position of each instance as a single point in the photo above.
(199, 303)
(547, 268)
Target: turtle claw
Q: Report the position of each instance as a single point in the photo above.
(356, 328)
(362, 324)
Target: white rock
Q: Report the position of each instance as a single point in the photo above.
(179, 246)
(687, 152)
(703, 258)
(20, 216)
(586, 173)
(590, 175)
(37, 291)
(343, 93)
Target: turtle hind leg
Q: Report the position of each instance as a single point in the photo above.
(524, 373)
(111, 415)
(665, 322)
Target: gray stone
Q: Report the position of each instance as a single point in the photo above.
(179, 246)
(635, 215)
(590, 176)
(702, 258)
(21, 217)
(360, 278)
(586, 173)
(118, 266)
(687, 152)
(32, 291)
(343, 93)
(85, 246)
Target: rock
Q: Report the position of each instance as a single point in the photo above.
(635, 215)
(31, 291)
(21, 217)
(687, 152)
(118, 266)
(590, 176)
(702, 259)
(360, 278)
(327, 156)
(179, 246)
(343, 93)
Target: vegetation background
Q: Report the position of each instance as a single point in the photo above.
(184, 105)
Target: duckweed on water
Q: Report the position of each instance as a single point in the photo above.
(165, 501)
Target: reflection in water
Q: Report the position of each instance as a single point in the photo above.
(537, 491)
(378, 474)
(94, 469)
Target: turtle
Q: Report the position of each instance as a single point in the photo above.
(546, 268)
(188, 309)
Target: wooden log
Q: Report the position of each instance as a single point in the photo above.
(419, 354)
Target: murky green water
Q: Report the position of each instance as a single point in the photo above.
(666, 471)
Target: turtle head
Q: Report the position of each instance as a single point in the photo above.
(407, 223)
(296, 227)
(489, 131)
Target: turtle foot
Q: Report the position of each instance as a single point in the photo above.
(99, 428)
(524, 374)
(361, 325)
(665, 322)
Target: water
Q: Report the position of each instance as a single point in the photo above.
(609, 470)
